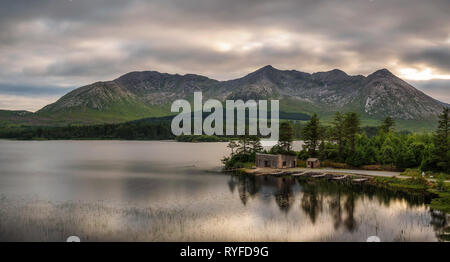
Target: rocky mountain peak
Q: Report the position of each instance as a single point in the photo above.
(378, 95)
(266, 68)
(265, 74)
(383, 73)
(330, 76)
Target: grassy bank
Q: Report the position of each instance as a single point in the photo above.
(440, 190)
(333, 164)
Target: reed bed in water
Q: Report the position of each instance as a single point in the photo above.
(36, 220)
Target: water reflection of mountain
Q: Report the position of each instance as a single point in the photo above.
(315, 197)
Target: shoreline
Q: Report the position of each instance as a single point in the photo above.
(331, 171)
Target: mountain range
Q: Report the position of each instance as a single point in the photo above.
(144, 94)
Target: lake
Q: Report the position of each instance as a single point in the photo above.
(172, 191)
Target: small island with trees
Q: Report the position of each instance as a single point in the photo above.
(422, 161)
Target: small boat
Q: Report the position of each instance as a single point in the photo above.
(359, 180)
(339, 177)
(318, 176)
(277, 173)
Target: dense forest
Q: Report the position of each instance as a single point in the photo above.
(157, 128)
(343, 142)
(148, 130)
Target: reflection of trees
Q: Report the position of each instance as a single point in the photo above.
(342, 198)
(385, 196)
(247, 187)
(438, 219)
(284, 196)
(440, 225)
(336, 210)
(312, 202)
(350, 222)
(231, 184)
(243, 195)
(314, 193)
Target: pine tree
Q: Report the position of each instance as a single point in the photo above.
(297, 129)
(351, 123)
(286, 136)
(442, 141)
(244, 145)
(387, 125)
(255, 144)
(312, 135)
(338, 134)
(387, 153)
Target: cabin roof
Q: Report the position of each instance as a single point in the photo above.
(312, 159)
(262, 154)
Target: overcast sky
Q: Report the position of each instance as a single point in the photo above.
(48, 47)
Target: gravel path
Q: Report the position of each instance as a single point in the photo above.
(355, 172)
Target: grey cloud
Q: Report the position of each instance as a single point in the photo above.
(438, 88)
(60, 10)
(188, 54)
(31, 90)
(358, 37)
(438, 57)
(73, 68)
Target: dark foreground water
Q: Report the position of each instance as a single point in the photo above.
(169, 191)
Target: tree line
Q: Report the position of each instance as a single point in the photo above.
(155, 130)
(344, 142)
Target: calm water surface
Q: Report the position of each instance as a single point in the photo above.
(170, 191)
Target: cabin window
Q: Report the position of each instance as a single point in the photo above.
(266, 163)
(284, 163)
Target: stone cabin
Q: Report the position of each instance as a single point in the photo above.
(276, 161)
(312, 163)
